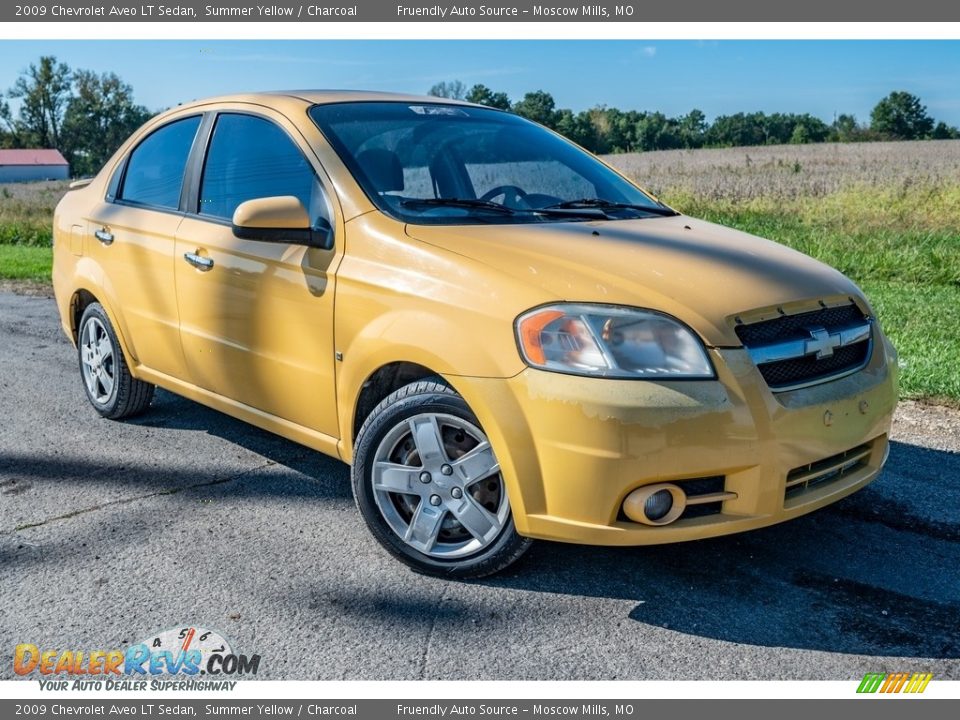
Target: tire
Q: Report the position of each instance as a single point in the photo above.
(448, 515)
(110, 388)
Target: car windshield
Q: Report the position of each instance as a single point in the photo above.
(425, 163)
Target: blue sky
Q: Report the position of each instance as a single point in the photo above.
(718, 77)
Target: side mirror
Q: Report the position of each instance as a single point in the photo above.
(281, 219)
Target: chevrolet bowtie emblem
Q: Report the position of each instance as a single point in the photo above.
(821, 342)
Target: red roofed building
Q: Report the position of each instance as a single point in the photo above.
(26, 165)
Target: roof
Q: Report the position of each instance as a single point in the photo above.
(31, 157)
(332, 96)
(318, 97)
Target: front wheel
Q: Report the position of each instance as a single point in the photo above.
(429, 486)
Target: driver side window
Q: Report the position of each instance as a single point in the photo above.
(250, 157)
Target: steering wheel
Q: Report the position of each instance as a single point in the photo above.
(512, 195)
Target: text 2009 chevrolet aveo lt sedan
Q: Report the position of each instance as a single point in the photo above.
(504, 337)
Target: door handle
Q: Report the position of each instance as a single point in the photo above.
(199, 261)
(104, 236)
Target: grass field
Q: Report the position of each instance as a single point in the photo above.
(886, 214)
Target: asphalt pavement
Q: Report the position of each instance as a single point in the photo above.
(112, 531)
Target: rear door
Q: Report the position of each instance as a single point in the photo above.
(256, 318)
(132, 236)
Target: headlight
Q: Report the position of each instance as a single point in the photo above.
(610, 341)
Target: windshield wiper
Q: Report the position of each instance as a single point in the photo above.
(458, 202)
(587, 208)
(601, 204)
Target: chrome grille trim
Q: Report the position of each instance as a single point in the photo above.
(792, 349)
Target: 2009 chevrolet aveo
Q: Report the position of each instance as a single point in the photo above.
(506, 338)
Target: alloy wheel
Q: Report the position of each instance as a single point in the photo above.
(98, 360)
(438, 485)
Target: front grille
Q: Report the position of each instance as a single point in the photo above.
(805, 369)
(791, 327)
(828, 470)
(808, 369)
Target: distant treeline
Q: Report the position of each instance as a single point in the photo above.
(898, 116)
(86, 116)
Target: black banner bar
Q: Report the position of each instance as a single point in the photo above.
(474, 11)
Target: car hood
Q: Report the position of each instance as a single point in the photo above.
(704, 274)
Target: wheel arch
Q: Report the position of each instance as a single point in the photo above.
(408, 344)
(81, 298)
(377, 385)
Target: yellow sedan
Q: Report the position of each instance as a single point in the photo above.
(504, 337)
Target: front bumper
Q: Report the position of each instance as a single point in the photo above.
(571, 448)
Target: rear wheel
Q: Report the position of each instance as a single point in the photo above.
(429, 486)
(110, 388)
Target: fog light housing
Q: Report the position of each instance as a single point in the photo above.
(659, 504)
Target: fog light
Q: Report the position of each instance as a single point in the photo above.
(658, 504)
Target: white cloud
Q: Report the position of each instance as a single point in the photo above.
(649, 51)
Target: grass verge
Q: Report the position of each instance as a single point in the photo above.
(924, 324)
(25, 262)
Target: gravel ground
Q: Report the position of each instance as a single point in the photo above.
(932, 426)
(112, 531)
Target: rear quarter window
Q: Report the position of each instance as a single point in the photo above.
(154, 173)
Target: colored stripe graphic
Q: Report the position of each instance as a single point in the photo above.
(922, 682)
(894, 682)
(871, 682)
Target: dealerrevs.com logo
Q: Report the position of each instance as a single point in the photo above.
(185, 658)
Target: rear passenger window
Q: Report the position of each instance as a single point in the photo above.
(154, 173)
(250, 158)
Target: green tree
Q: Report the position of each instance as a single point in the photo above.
(453, 90)
(902, 116)
(777, 128)
(6, 117)
(846, 128)
(944, 132)
(655, 131)
(482, 95)
(578, 128)
(800, 136)
(617, 129)
(538, 106)
(7, 137)
(693, 129)
(99, 117)
(737, 130)
(43, 91)
(808, 129)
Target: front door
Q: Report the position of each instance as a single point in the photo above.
(256, 318)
